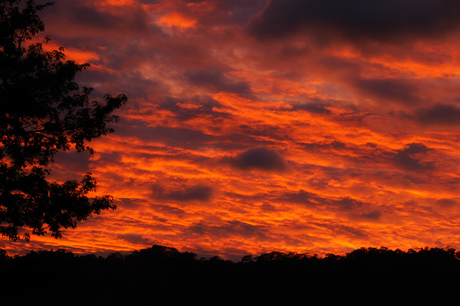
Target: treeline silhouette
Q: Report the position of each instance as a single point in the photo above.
(162, 275)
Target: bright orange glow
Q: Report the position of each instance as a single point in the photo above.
(120, 2)
(176, 20)
(114, 3)
(73, 54)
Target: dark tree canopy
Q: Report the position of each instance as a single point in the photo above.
(367, 276)
(43, 111)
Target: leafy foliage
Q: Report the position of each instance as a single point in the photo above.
(43, 111)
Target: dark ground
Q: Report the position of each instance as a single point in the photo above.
(164, 276)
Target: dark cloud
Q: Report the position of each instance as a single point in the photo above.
(217, 81)
(239, 11)
(300, 197)
(130, 203)
(410, 158)
(372, 145)
(315, 108)
(349, 231)
(343, 66)
(259, 158)
(379, 20)
(73, 161)
(415, 148)
(347, 203)
(325, 146)
(168, 135)
(243, 229)
(352, 208)
(201, 106)
(199, 193)
(131, 83)
(82, 16)
(111, 33)
(446, 203)
(169, 210)
(262, 134)
(228, 229)
(112, 158)
(267, 207)
(97, 76)
(180, 135)
(185, 137)
(374, 215)
(391, 89)
(355, 209)
(438, 114)
(224, 12)
(70, 165)
(134, 238)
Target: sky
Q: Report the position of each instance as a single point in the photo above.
(256, 126)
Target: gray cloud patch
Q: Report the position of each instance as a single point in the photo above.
(300, 197)
(229, 12)
(216, 80)
(202, 106)
(325, 146)
(73, 161)
(168, 135)
(129, 203)
(314, 108)
(347, 203)
(126, 18)
(374, 215)
(229, 228)
(357, 210)
(169, 210)
(199, 193)
(352, 208)
(446, 202)
(134, 238)
(259, 158)
(409, 158)
(395, 90)
(438, 114)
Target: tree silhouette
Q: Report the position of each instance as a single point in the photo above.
(362, 277)
(43, 111)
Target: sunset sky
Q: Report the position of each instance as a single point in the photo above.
(253, 126)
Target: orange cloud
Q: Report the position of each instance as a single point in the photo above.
(176, 19)
(80, 56)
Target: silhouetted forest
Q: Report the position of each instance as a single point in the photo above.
(164, 276)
